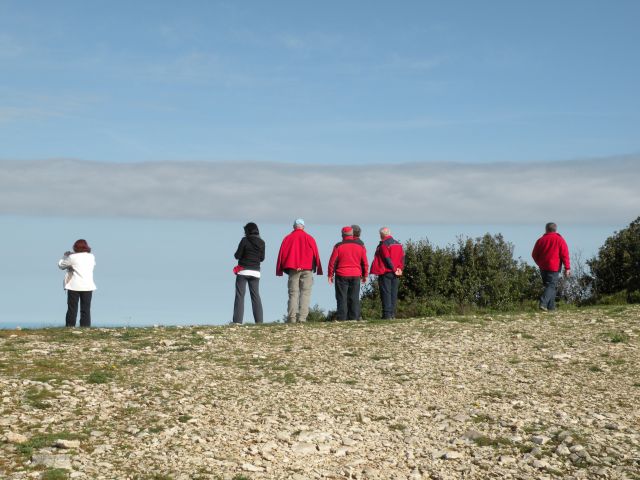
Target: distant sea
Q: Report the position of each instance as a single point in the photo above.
(178, 272)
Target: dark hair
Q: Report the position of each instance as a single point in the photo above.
(251, 229)
(356, 230)
(551, 227)
(81, 246)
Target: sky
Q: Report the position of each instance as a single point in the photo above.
(328, 82)
(157, 129)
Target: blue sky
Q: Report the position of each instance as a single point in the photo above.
(319, 82)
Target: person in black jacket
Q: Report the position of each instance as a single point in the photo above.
(250, 254)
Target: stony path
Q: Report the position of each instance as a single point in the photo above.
(505, 396)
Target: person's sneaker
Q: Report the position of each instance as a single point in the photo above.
(543, 308)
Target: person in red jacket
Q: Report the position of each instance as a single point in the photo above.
(349, 264)
(299, 259)
(550, 253)
(388, 264)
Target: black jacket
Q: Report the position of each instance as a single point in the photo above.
(250, 252)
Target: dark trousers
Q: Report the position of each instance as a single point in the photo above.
(254, 292)
(73, 297)
(388, 284)
(347, 298)
(550, 282)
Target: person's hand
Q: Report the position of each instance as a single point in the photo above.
(567, 273)
(398, 272)
(330, 279)
(298, 269)
(363, 280)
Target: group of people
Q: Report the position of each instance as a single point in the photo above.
(299, 258)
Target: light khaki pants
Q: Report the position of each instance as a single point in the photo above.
(300, 284)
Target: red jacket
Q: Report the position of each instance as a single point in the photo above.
(551, 252)
(349, 259)
(298, 251)
(389, 256)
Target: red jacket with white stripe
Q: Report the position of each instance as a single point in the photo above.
(551, 252)
(298, 251)
(349, 259)
(389, 256)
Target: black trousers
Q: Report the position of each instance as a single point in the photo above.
(73, 297)
(388, 284)
(347, 298)
(254, 291)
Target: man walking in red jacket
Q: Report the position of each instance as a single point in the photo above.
(550, 253)
(299, 258)
(349, 264)
(388, 264)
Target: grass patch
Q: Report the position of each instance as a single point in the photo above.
(398, 427)
(616, 362)
(37, 397)
(289, 378)
(133, 361)
(482, 418)
(485, 441)
(379, 357)
(55, 474)
(618, 337)
(595, 369)
(100, 376)
(45, 440)
(184, 418)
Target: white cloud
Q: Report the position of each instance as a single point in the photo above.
(584, 191)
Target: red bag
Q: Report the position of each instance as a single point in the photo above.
(237, 268)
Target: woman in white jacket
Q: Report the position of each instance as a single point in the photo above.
(78, 282)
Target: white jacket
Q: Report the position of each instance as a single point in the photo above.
(79, 267)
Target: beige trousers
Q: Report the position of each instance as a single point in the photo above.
(299, 284)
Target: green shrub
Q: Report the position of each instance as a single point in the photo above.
(616, 268)
(472, 274)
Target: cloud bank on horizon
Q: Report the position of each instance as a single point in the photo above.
(597, 191)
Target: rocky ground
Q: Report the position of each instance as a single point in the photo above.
(505, 396)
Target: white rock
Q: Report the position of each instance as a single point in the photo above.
(452, 455)
(324, 448)
(15, 438)
(51, 461)
(66, 444)
(249, 467)
(540, 439)
(540, 464)
(341, 451)
(562, 450)
(304, 448)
